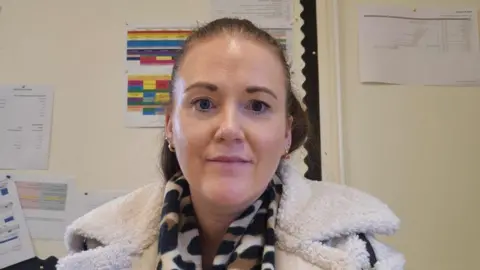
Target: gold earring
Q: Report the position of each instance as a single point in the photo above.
(286, 155)
(170, 147)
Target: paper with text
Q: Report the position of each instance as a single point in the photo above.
(264, 13)
(48, 203)
(15, 243)
(25, 127)
(405, 46)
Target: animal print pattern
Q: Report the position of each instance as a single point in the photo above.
(249, 242)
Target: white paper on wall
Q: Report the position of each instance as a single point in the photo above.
(15, 243)
(25, 127)
(264, 13)
(424, 47)
(49, 203)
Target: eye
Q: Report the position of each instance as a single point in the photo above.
(258, 106)
(203, 104)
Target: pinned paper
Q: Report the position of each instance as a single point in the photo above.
(150, 57)
(48, 203)
(433, 46)
(15, 243)
(266, 14)
(25, 126)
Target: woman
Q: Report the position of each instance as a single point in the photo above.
(230, 202)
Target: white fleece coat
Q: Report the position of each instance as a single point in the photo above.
(317, 226)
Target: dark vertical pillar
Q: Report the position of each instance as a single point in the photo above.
(311, 87)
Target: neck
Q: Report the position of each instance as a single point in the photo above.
(213, 220)
(213, 223)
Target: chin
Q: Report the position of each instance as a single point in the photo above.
(230, 192)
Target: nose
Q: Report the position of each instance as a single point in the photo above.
(229, 127)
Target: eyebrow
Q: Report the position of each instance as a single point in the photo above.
(255, 89)
(209, 86)
(212, 87)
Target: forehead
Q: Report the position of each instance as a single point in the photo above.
(233, 61)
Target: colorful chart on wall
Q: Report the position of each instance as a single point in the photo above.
(149, 53)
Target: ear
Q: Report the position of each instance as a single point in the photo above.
(288, 132)
(168, 125)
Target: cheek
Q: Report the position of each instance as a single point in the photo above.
(190, 135)
(268, 142)
(190, 142)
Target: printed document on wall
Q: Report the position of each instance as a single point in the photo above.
(15, 243)
(25, 126)
(404, 46)
(265, 13)
(49, 204)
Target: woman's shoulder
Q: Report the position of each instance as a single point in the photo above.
(332, 225)
(322, 202)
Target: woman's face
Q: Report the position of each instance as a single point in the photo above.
(228, 123)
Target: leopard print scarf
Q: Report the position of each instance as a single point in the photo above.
(249, 242)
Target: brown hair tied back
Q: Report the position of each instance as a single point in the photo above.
(231, 26)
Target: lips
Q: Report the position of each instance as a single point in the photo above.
(229, 159)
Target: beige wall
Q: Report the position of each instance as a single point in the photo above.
(416, 148)
(77, 46)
